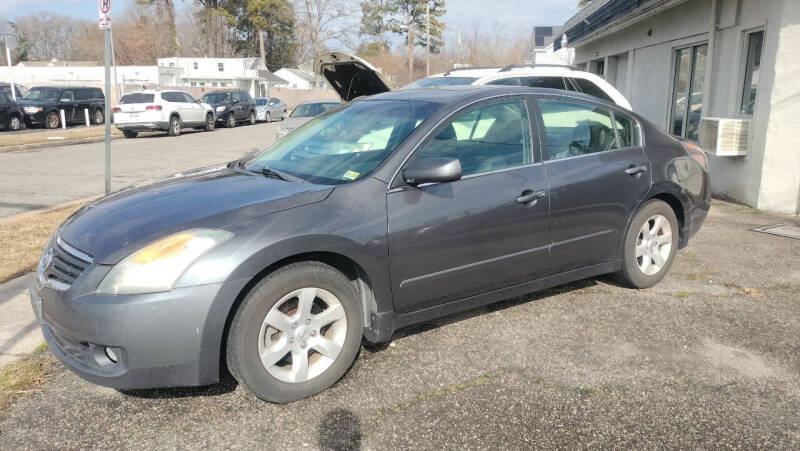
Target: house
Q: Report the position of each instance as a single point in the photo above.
(297, 78)
(720, 72)
(249, 74)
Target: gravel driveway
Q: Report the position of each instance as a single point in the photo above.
(710, 358)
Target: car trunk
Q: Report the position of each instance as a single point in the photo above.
(350, 76)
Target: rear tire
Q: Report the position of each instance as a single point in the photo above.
(231, 121)
(320, 343)
(98, 117)
(650, 245)
(14, 123)
(284, 115)
(174, 126)
(130, 133)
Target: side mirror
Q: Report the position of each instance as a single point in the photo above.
(235, 100)
(65, 100)
(433, 170)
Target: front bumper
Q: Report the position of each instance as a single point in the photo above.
(142, 126)
(159, 340)
(33, 119)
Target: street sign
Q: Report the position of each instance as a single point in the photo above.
(104, 14)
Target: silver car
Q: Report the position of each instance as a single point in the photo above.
(304, 113)
(269, 109)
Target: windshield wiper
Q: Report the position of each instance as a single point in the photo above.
(239, 166)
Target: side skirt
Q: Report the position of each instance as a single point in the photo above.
(384, 324)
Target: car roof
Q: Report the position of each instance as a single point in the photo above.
(453, 94)
(65, 87)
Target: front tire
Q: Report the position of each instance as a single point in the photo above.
(231, 122)
(296, 333)
(252, 118)
(130, 133)
(52, 120)
(14, 123)
(268, 118)
(650, 245)
(209, 122)
(174, 126)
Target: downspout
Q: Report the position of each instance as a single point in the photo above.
(712, 41)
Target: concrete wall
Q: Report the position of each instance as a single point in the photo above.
(760, 179)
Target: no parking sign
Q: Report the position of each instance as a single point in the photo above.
(104, 14)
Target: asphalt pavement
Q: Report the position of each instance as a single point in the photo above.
(710, 358)
(35, 179)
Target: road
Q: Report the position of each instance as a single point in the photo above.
(35, 179)
(707, 359)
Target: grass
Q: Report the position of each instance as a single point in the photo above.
(23, 238)
(45, 136)
(25, 375)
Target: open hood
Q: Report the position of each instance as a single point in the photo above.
(349, 75)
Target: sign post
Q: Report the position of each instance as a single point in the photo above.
(104, 22)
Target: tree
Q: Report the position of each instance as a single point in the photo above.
(322, 21)
(273, 19)
(166, 8)
(374, 14)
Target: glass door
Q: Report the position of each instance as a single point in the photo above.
(688, 91)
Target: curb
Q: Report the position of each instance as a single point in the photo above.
(71, 203)
(54, 143)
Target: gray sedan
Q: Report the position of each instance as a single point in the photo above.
(303, 113)
(270, 109)
(392, 210)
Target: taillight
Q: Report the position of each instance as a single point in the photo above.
(117, 109)
(696, 153)
(153, 108)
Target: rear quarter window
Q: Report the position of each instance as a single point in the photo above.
(592, 89)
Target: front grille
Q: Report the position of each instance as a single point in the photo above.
(63, 263)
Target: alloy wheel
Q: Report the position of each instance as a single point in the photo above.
(268, 119)
(252, 118)
(209, 122)
(98, 117)
(231, 121)
(52, 120)
(302, 335)
(653, 245)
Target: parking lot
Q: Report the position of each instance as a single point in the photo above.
(34, 179)
(707, 359)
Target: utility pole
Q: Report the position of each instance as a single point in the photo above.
(10, 67)
(427, 39)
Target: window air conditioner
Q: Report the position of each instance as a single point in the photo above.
(725, 137)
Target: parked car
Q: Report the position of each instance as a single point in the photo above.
(42, 105)
(389, 211)
(232, 107)
(270, 108)
(19, 90)
(340, 68)
(303, 113)
(10, 113)
(169, 111)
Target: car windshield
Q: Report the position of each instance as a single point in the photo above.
(312, 109)
(218, 97)
(47, 94)
(431, 82)
(347, 144)
(261, 102)
(136, 98)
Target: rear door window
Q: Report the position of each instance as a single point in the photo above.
(544, 82)
(592, 89)
(82, 94)
(188, 98)
(573, 129)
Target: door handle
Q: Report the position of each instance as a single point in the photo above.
(636, 170)
(530, 198)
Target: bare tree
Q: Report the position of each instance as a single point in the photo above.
(166, 8)
(323, 21)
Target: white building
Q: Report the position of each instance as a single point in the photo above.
(678, 61)
(296, 78)
(249, 74)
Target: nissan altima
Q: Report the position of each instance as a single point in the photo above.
(391, 210)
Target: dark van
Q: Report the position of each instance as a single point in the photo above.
(42, 105)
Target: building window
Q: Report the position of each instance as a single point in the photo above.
(195, 65)
(171, 64)
(214, 83)
(221, 67)
(202, 83)
(687, 91)
(194, 83)
(752, 68)
(222, 83)
(601, 68)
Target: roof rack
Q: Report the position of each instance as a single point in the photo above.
(520, 66)
(456, 69)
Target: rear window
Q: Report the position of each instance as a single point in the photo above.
(137, 98)
(312, 109)
(217, 97)
(592, 89)
(431, 82)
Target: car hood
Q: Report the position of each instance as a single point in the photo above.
(291, 123)
(349, 75)
(115, 226)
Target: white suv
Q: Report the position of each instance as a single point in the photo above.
(168, 111)
(353, 77)
(538, 76)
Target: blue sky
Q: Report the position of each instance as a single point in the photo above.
(464, 14)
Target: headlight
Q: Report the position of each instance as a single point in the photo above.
(157, 266)
(221, 108)
(32, 109)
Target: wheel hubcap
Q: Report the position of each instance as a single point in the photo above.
(653, 245)
(98, 117)
(302, 335)
(14, 123)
